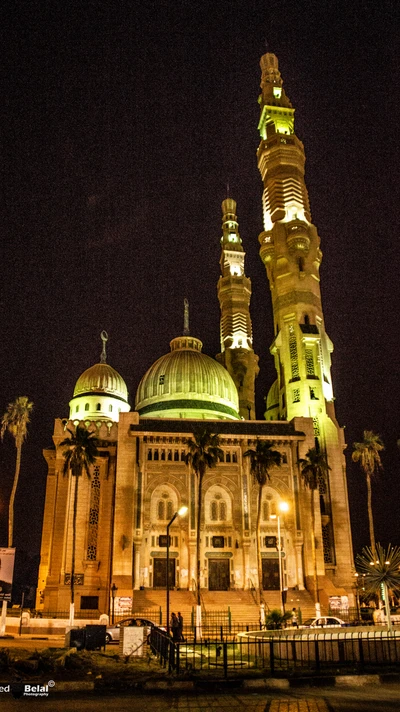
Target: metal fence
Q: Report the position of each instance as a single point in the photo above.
(322, 653)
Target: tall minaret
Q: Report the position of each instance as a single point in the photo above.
(291, 254)
(234, 293)
(290, 251)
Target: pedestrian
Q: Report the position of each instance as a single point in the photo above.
(174, 626)
(180, 627)
(295, 621)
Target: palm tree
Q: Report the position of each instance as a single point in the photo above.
(380, 569)
(313, 468)
(15, 420)
(367, 454)
(80, 453)
(204, 452)
(262, 459)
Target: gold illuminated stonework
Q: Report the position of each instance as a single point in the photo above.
(140, 478)
(290, 251)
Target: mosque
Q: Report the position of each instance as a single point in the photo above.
(140, 478)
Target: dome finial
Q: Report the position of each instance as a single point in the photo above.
(104, 338)
(186, 330)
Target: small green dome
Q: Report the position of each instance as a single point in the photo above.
(187, 384)
(100, 393)
(103, 379)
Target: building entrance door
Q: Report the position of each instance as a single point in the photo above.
(270, 574)
(218, 574)
(160, 573)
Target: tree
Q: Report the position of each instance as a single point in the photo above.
(262, 460)
(15, 420)
(275, 619)
(380, 569)
(79, 454)
(313, 468)
(204, 452)
(367, 454)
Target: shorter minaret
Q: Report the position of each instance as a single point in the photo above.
(234, 294)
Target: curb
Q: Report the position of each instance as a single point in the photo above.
(228, 686)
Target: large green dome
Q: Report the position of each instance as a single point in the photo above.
(187, 384)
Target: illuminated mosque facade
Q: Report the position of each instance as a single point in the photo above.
(140, 478)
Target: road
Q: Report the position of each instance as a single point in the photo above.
(379, 698)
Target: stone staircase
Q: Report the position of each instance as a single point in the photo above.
(242, 604)
(151, 600)
(302, 600)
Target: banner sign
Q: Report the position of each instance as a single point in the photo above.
(7, 557)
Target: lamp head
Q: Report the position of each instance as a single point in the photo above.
(182, 511)
(283, 507)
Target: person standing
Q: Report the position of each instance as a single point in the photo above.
(174, 626)
(295, 621)
(180, 627)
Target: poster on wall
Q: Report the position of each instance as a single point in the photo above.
(7, 557)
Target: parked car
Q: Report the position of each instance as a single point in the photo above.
(324, 622)
(113, 631)
(366, 614)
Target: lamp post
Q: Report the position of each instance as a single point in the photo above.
(180, 513)
(356, 586)
(282, 507)
(114, 589)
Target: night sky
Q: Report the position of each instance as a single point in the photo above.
(120, 130)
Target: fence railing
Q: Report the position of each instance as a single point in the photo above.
(319, 653)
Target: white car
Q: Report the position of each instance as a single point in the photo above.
(324, 622)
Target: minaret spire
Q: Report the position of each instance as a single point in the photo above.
(186, 330)
(104, 338)
(234, 293)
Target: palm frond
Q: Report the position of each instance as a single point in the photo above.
(16, 419)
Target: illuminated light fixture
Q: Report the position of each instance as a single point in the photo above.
(282, 507)
(277, 92)
(180, 513)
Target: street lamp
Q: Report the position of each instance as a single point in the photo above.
(356, 586)
(114, 589)
(282, 507)
(180, 513)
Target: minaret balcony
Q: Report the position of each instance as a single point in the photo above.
(267, 249)
(298, 241)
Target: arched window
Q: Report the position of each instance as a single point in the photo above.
(228, 457)
(169, 510)
(98, 406)
(273, 509)
(161, 509)
(265, 510)
(149, 454)
(163, 454)
(110, 408)
(86, 406)
(214, 511)
(222, 511)
(77, 409)
(176, 456)
(169, 454)
(156, 454)
(234, 457)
